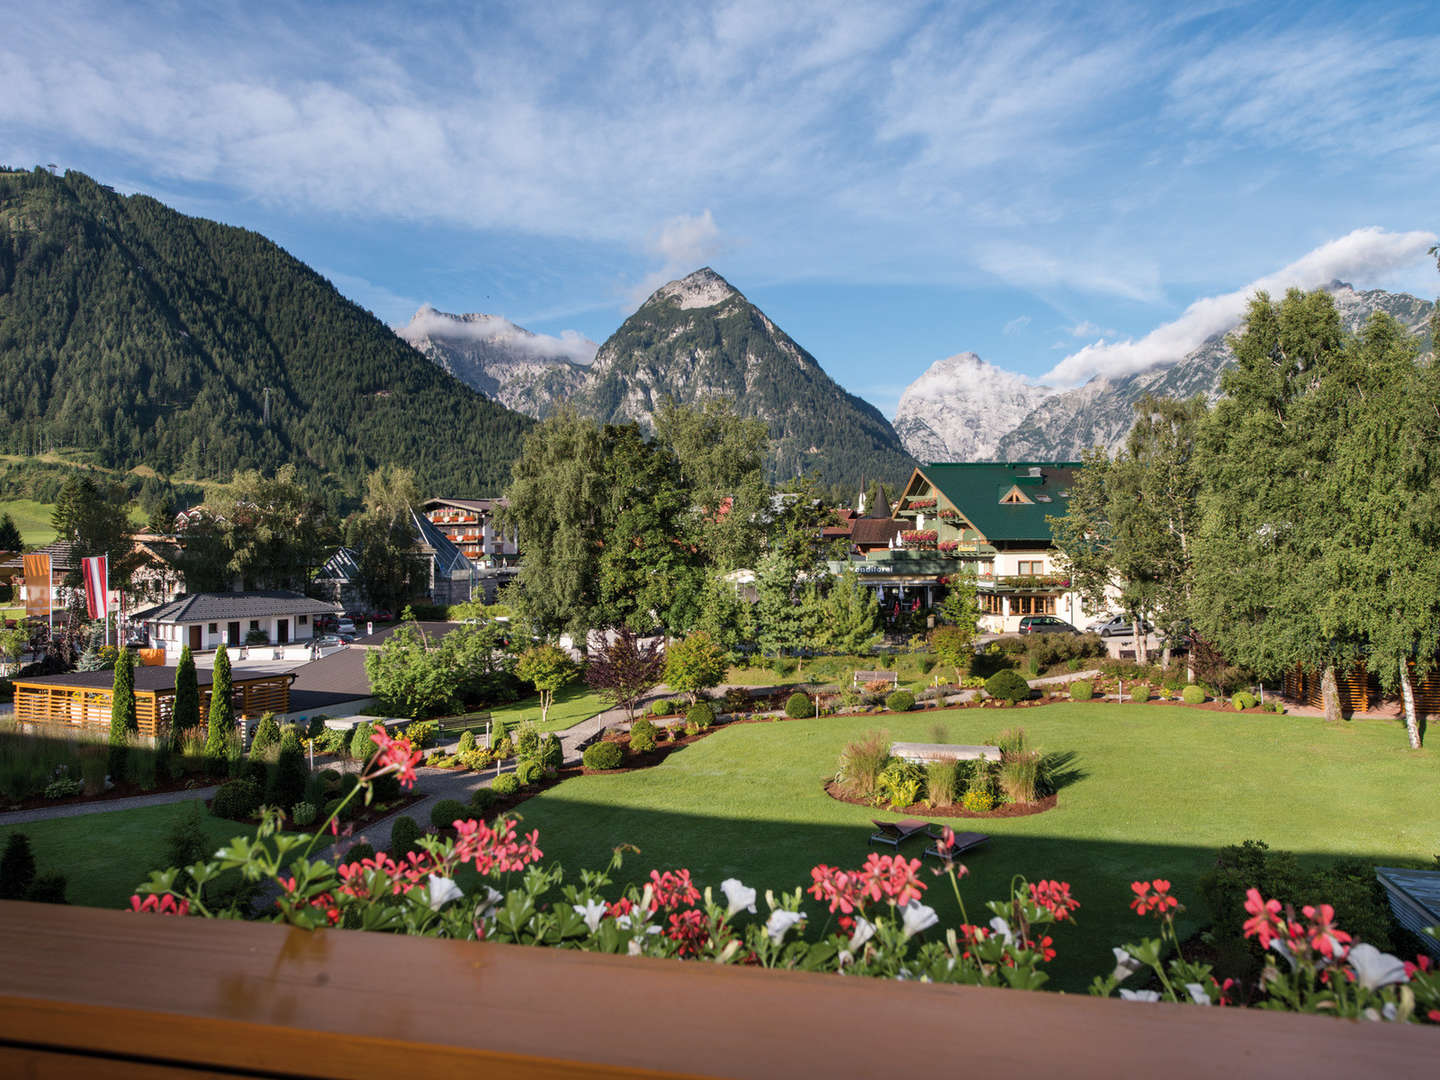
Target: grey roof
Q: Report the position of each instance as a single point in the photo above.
(344, 565)
(448, 557)
(482, 506)
(226, 606)
(146, 678)
(434, 631)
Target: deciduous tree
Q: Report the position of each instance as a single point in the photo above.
(694, 664)
(547, 668)
(623, 669)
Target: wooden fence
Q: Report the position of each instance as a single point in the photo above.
(1359, 689)
(88, 708)
(109, 993)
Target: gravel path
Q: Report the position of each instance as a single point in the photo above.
(104, 806)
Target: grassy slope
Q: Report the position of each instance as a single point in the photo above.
(32, 519)
(1162, 788)
(105, 856)
(572, 704)
(837, 670)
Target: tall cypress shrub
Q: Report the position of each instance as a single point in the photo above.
(123, 722)
(186, 712)
(222, 714)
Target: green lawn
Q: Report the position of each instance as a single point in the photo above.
(571, 705)
(31, 518)
(1159, 789)
(105, 856)
(837, 670)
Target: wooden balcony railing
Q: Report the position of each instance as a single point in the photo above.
(107, 993)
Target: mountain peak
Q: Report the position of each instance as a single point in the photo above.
(704, 288)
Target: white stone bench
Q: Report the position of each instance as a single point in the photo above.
(922, 753)
(863, 677)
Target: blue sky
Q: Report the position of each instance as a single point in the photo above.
(1052, 187)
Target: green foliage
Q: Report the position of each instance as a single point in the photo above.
(412, 675)
(47, 888)
(167, 366)
(551, 754)
(661, 707)
(942, 782)
(287, 785)
(123, 722)
(237, 800)
(359, 852)
(694, 664)
(900, 701)
(1244, 700)
(547, 668)
(220, 726)
(406, 831)
(799, 706)
(10, 539)
(977, 801)
(603, 756)
(1008, 685)
(446, 812)
(953, 647)
(1140, 693)
(267, 734)
(64, 788)
(1192, 695)
(506, 784)
(481, 799)
(466, 743)
(850, 614)
(861, 763)
(529, 772)
(422, 734)
(303, 814)
(17, 867)
(362, 746)
(527, 740)
(642, 736)
(1082, 690)
(701, 715)
(185, 715)
(900, 784)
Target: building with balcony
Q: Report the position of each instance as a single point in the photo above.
(987, 518)
(471, 526)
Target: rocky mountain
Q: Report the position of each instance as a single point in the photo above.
(954, 410)
(699, 338)
(523, 371)
(132, 334)
(962, 407)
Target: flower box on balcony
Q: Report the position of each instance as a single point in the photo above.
(919, 504)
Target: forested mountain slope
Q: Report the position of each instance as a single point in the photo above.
(145, 336)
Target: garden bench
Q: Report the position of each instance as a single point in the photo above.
(923, 753)
(863, 677)
(893, 832)
(964, 841)
(448, 724)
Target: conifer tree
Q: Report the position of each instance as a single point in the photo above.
(123, 722)
(222, 714)
(185, 713)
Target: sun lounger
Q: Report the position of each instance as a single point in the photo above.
(964, 841)
(893, 832)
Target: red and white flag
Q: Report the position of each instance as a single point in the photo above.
(97, 585)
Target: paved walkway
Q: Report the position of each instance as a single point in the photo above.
(105, 806)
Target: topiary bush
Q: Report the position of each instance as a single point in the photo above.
(798, 706)
(642, 736)
(237, 800)
(603, 756)
(361, 745)
(1244, 700)
(266, 737)
(505, 785)
(529, 772)
(359, 852)
(527, 741)
(1008, 686)
(659, 707)
(17, 867)
(1192, 695)
(900, 701)
(466, 744)
(404, 834)
(287, 784)
(551, 755)
(1082, 690)
(302, 814)
(702, 715)
(446, 812)
(481, 799)
(1140, 693)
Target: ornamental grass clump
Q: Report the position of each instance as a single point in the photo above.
(942, 782)
(862, 762)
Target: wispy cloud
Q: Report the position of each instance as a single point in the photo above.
(1361, 254)
(494, 329)
(1015, 325)
(683, 244)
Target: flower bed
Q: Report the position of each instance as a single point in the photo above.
(923, 809)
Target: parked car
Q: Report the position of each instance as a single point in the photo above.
(382, 615)
(1045, 624)
(1118, 626)
(328, 641)
(345, 626)
(326, 622)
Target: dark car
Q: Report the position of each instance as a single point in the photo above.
(328, 641)
(1045, 624)
(1119, 626)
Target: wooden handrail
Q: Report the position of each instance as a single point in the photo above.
(137, 994)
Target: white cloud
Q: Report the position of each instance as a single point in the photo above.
(1362, 254)
(683, 244)
(495, 329)
(1015, 325)
(1086, 328)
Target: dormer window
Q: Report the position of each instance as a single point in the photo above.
(1013, 497)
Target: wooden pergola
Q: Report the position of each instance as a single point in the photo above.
(82, 699)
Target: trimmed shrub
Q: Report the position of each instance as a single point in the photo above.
(1192, 695)
(1082, 690)
(527, 741)
(1244, 700)
(659, 707)
(551, 754)
(237, 800)
(798, 706)
(603, 756)
(642, 736)
(1140, 693)
(47, 888)
(1007, 685)
(267, 734)
(302, 814)
(466, 744)
(529, 772)
(287, 787)
(359, 852)
(481, 799)
(361, 745)
(17, 867)
(977, 801)
(256, 771)
(900, 701)
(403, 836)
(477, 759)
(505, 785)
(702, 715)
(446, 812)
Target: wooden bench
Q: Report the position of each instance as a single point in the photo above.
(447, 725)
(863, 677)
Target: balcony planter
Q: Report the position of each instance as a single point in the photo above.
(918, 538)
(919, 504)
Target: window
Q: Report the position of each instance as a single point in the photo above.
(1031, 568)
(1032, 605)
(214, 628)
(992, 604)
(254, 624)
(1014, 497)
(302, 620)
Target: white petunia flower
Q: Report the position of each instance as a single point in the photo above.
(442, 891)
(738, 896)
(1375, 969)
(918, 917)
(864, 931)
(1140, 995)
(1125, 964)
(780, 923)
(1198, 994)
(592, 911)
(489, 902)
(1002, 928)
(1284, 950)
